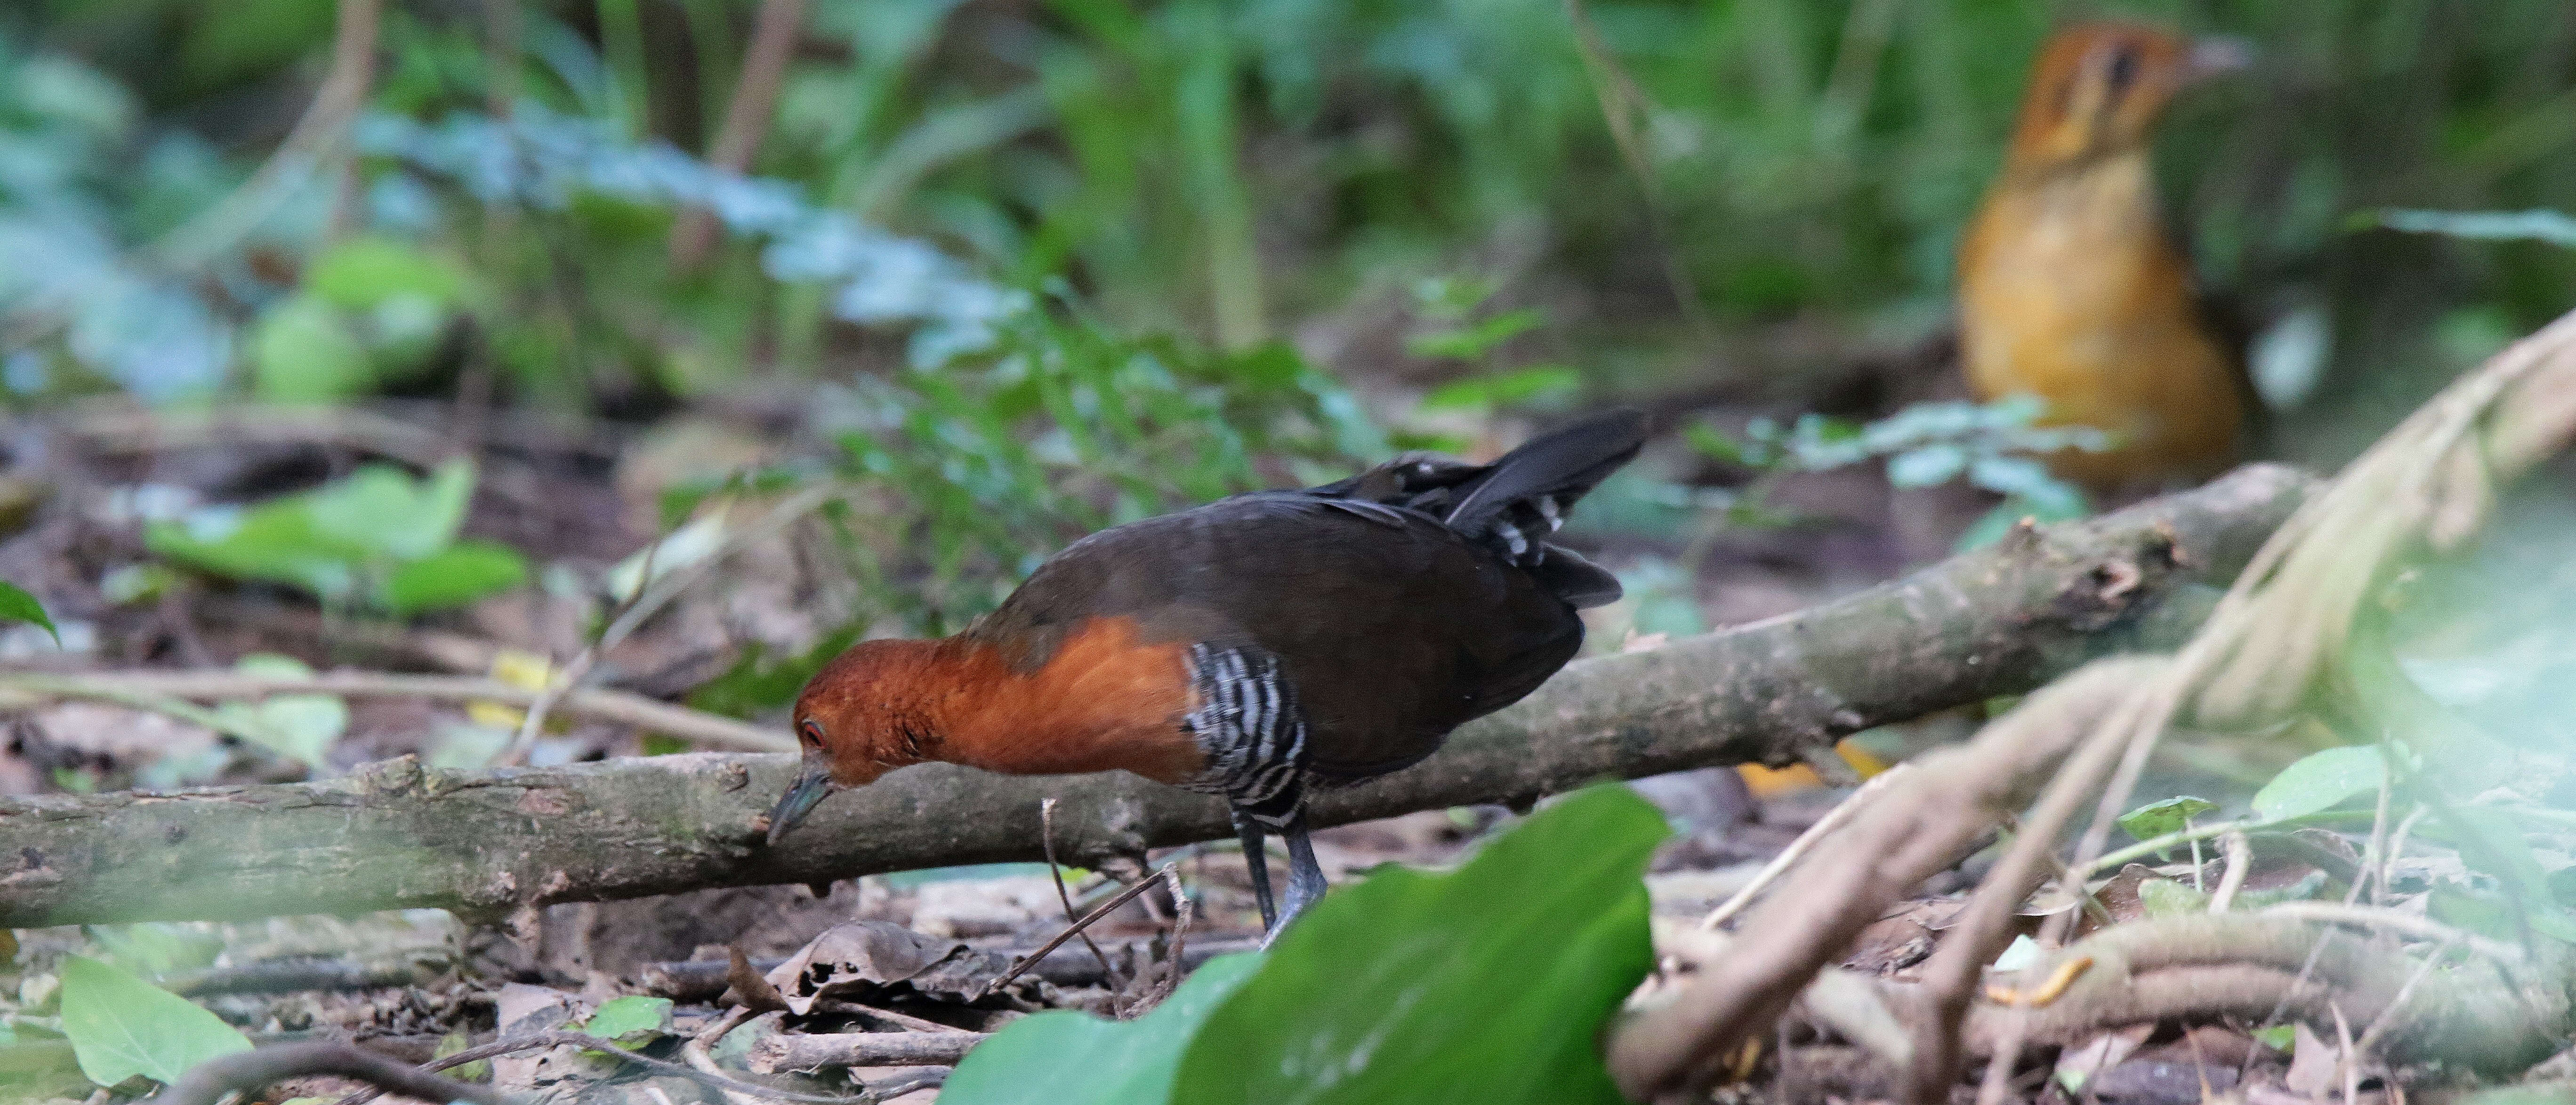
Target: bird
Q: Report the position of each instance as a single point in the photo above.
(1255, 647)
(2072, 290)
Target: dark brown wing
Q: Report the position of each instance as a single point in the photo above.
(1392, 628)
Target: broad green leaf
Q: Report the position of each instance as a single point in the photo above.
(19, 606)
(274, 541)
(121, 1026)
(2320, 781)
(1490, 984)
(383, 509)
(364, 271)
(2155, 819)
(459, 575)
(302, 351)
(1066, 1058)
(632, 1021)
(2279, 1037)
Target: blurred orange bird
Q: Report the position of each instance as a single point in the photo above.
(2070, 288)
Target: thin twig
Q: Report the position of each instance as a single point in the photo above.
(2421, 927)
(316, 139)
(2369, 873)
(2397, 844)
(903, 1022)
(152, 690)
(2388, 1016)
(1046, 836)
(696, 1052)
(561, 682)
(2240, 858)
(1833, 819)
(1075, 929)
(534, 1040)
(2349, 1063)
(657, 593)
(746, 121)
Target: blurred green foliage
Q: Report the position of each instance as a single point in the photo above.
(379, 539)
(1390, 990)
(1046, 255)
(1227, 170)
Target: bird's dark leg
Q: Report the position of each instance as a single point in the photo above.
(1256, 860)
(1305, 877)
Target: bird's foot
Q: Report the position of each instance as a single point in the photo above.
(1256, 863)
(1306, 883)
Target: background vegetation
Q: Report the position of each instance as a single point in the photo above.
(986, 275)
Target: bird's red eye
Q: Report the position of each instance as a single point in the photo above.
(812, 731)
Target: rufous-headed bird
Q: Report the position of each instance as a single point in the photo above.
(1249, 648)
(2071, 289)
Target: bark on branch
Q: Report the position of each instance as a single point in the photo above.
(396, 834)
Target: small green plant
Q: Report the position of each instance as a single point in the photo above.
(379, 539)
(371, 312)
(1489, 984)
(121, 1026)
(975, 470)
(1992, 445)
(630, 1022)
(16, 605)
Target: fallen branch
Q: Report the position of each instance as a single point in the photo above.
(534, 1040)
(396, 834)
(255, 1070)
(801, 1052)
(19, 689)
(701, 981)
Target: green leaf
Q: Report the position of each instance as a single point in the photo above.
(121, 1026)
(631, 1022)
(467, 571)
(2320, 781)
(1469, 342)
(2535, 225)
(363, 272)
(2168, 898)
(1711, 442)
(1066, 1058)
(273, 541)
(2155, 819)
(1490, 984)
(18, 606)
(1528, 385)
(2279, 1037)
(302, 351)
(480, 1070)
(382, 509)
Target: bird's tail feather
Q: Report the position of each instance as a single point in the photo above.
(1519, 500)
